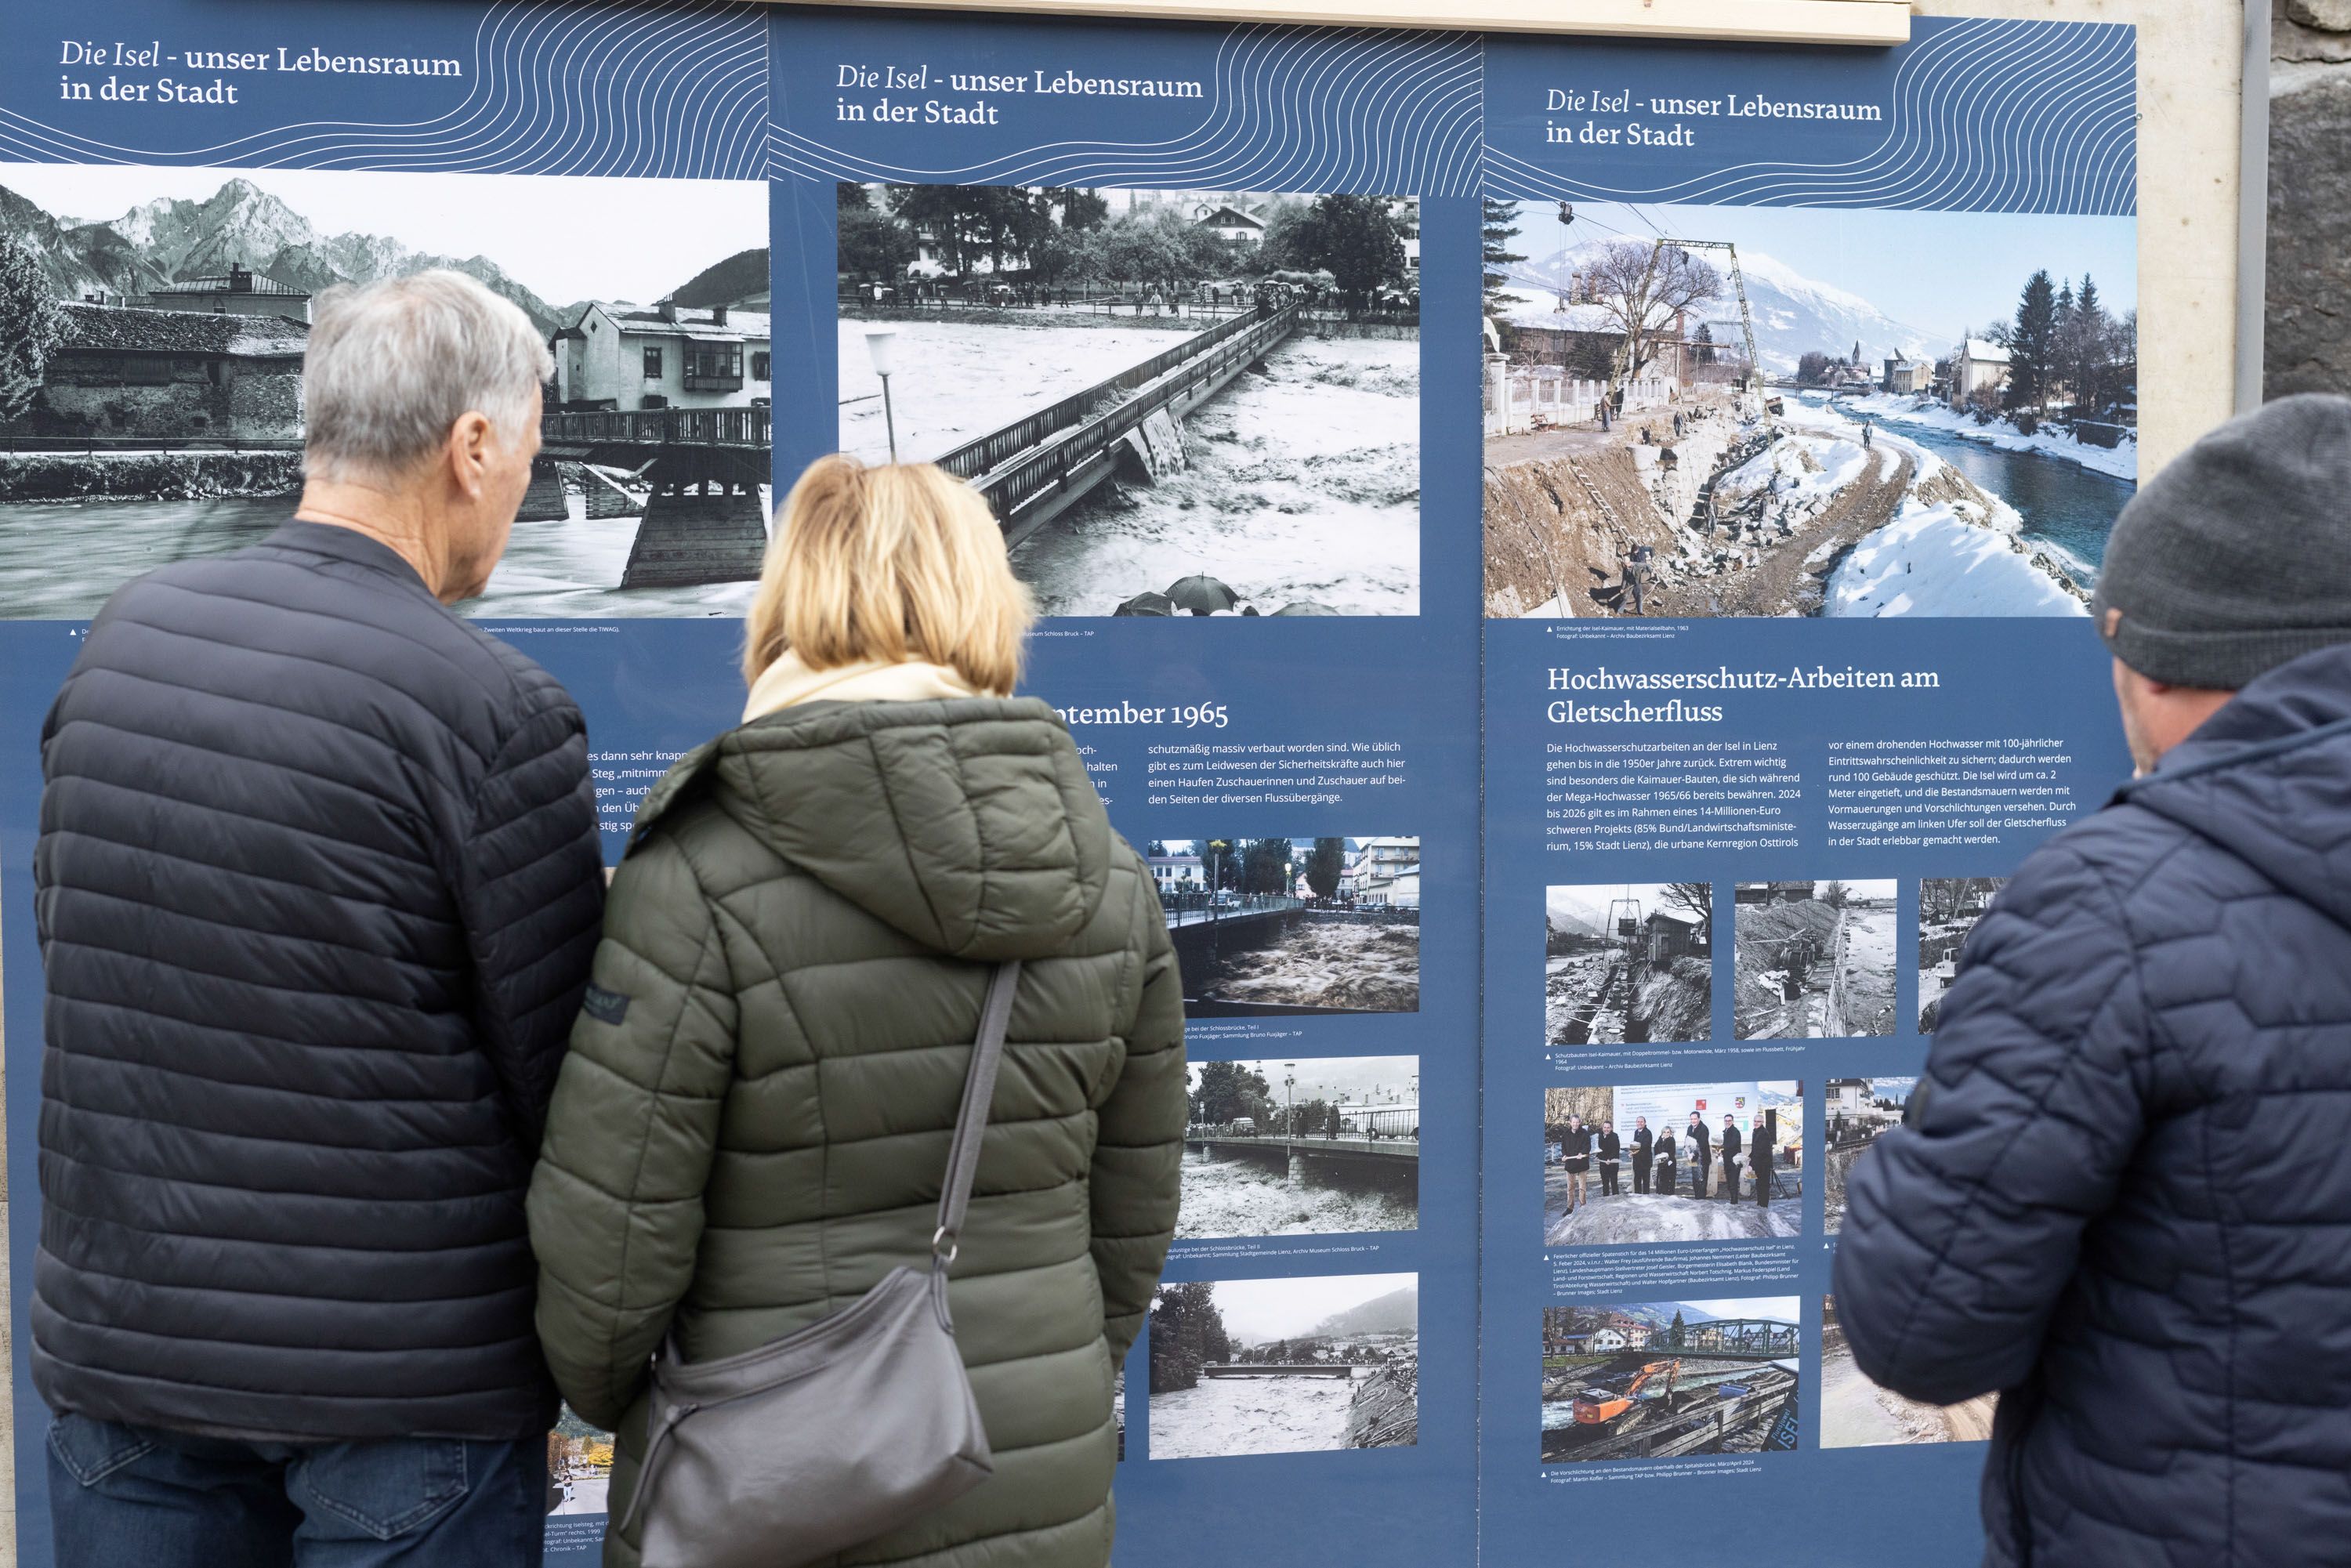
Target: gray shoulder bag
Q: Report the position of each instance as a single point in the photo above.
(785, 1454)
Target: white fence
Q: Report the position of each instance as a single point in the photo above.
(1521, 397)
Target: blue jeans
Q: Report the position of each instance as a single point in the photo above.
(130, 1496)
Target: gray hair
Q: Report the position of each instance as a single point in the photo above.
(392, 365)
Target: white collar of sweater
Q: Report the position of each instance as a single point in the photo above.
(788, 683)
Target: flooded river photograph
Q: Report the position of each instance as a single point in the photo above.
(1301, 1147)
(1284, 1366)
(1221, 388)
(1271, 927)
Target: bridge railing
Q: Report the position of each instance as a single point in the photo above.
(660, 427)
(977, 457)
(1230, 904)
(1022, 478)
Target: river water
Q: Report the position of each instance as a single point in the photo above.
(2065, 506)
(61, 560)
(1247, 1195)
(1252, 1416)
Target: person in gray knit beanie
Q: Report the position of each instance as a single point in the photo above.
(2232, 560)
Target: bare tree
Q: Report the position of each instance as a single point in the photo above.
(1695, 899)
(1641, 289)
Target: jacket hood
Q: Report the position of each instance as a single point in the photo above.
(2267, 777)
(968, 823)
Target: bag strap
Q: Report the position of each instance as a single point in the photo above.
(971, 1121)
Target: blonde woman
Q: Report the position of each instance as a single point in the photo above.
(752, 1126)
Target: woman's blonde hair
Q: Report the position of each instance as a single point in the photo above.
(890, 564)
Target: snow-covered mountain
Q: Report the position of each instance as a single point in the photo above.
(170, 239)
(1794, 315)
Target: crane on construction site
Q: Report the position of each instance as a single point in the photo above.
(1658, 246)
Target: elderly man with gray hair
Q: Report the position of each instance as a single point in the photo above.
(317, 888)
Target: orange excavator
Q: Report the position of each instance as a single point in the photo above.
(1596, 1405)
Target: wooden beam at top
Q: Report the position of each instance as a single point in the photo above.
(1871, 22)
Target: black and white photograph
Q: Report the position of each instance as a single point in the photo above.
(1814, 959)
(1858, 1414)
(1177, 402)
(1948, 908)
(1858, 1112)
(162, 316)
(1673, 1162)
(1303, 1147)
(1284, 928)
(1750, 410)
(1285, 1366)
(1628, 963)
(1668, 1380)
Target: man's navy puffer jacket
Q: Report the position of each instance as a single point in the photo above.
(317, 887)
(2124, 1199)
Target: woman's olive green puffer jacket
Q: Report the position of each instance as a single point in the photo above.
(752, 1126)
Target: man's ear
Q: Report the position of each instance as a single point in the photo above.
(468, 450)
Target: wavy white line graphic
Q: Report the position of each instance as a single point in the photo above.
(1289, 108)
(1987, 116)
(604, 87)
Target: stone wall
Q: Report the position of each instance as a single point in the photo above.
(2306, 344)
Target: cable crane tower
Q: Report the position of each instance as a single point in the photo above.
(1753, 379)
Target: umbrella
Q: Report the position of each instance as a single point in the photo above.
(1147, 604)
(1306, 607)
(1202, 595)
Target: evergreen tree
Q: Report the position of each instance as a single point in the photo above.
(1676, 1333)
(1499, 226)
(1705, 344)
(31, 323)
(2032, 344)
(1324, 864)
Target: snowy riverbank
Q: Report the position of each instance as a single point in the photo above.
(1952, 548)
(2117, 462)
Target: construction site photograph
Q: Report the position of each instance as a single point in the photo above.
(1673, 1162)
(1859, 1112)
(1813, 959)
(1628, 963)
(1292, 927)
(1308, 1364)
(1671, 1380)
(1176, 401)
(162, 317)
(1949, 909)
(1698, 411)
(1858, 1414)
(1311, 1146)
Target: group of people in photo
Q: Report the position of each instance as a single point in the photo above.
(1659, 1158)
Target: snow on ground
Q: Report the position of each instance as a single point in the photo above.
(1303, 484)
(1928, 561)
(1636, 1217)
(1245, 1197)
(1804, 473)
(956, 381)
(1251, 1415)
(2120, 462)
(1858, 1414)
(1868, 987)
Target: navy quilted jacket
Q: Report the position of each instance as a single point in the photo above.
(2124, 1200)
(317, 888)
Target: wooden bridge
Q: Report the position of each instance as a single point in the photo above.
(1037, 468)
(703, 521)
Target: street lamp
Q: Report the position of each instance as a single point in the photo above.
(881, 347)
(1289, 1099)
